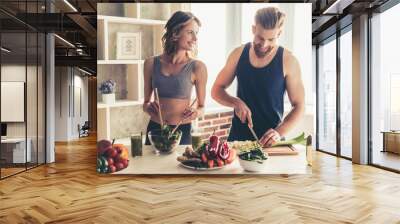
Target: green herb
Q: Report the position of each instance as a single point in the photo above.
(256, 155)
(301, 139)
(165, 141)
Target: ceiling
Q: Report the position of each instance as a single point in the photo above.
(76, 25)
(76, 22)
(333, 15)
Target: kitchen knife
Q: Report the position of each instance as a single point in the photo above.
(254, 135)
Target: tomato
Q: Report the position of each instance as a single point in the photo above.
(124, 153)
(119, 166)
(210, 163)
(112, 152)
(232, 155)
(204, 157)
(112, 168)
(220, 162)
(125, 162)
(110, 161)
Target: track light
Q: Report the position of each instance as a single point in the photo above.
(84, 71)
(337, 7)
(5, 50)
(70, 5)
(64, 40)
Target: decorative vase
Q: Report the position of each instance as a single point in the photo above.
(108, 98)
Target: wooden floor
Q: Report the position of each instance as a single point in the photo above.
(70, 191)
(387, 159)
(5, 172)
(9, 170)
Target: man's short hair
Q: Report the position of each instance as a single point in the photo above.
(269, 18)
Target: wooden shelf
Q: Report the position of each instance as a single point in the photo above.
(126, 20)
(120, 103)
(149, 20)
(119, 62)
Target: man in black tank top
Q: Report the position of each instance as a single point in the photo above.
(264, 71)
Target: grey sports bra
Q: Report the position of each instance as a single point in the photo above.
(175, 86)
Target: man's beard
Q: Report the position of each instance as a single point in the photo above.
(259, 53)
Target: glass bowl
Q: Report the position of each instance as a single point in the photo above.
(252, 166)
(162, 143)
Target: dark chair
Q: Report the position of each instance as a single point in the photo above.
(84, 130)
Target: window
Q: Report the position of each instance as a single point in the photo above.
(327, 97)
(346, 94)
(385, 85)
(211, 43)
(394, 101)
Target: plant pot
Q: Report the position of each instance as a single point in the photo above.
(108, 98)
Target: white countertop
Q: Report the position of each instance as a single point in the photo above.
(13, 140)
(151, 163)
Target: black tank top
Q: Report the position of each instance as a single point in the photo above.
(262, 89)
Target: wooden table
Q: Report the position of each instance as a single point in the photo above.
(391, 141)
(151, 163)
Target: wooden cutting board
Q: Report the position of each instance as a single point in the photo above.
(281, 151)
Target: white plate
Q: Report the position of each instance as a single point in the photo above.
(201, 168)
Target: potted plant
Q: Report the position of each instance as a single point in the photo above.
(107, 89)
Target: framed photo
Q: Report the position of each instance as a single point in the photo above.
(128, 45)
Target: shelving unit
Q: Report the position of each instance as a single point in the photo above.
(147, 18)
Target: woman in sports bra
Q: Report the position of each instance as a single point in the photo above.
(174, 73)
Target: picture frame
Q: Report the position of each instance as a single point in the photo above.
(129, 46)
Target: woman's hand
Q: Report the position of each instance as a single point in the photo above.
(190, 114)
(152, 108)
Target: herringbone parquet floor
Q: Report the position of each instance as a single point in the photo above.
(70, 191)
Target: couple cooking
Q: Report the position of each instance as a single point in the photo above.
(264, 71)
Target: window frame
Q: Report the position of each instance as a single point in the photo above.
(334, 37)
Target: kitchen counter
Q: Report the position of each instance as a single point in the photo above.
(151, 163)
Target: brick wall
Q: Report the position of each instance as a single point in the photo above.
(220, 122)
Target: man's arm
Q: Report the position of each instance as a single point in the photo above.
(223, 81)
(295, 90)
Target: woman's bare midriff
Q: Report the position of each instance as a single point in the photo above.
(172, 110)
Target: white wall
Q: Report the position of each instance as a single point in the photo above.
(12, 73)
(61, 104)
(80, 83)
(67, 116)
